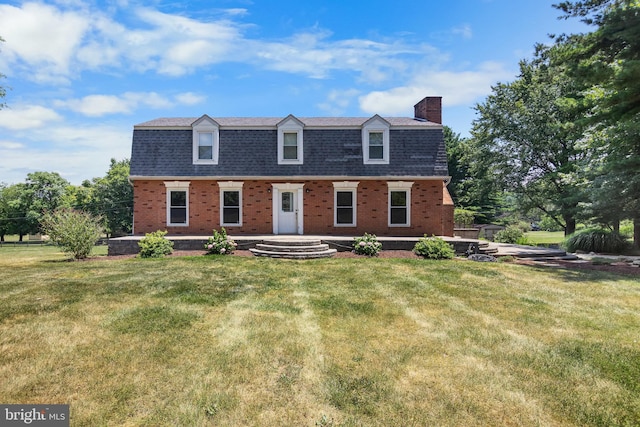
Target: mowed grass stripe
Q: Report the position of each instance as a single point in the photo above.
(244, 341)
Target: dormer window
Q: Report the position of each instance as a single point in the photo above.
(290, 149)
(206, 141)
(376, 146)
(375, 141)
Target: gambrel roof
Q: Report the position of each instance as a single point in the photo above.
(333, 147)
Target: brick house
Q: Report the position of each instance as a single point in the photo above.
(293, 175)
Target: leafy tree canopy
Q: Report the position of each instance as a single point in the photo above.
(529, 135)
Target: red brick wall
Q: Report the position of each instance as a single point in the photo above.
(429, 215)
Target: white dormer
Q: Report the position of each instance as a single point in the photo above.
(375, 141)
(290, 141)
(206, 141)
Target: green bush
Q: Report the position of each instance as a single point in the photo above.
(511, 234)
(434, 248)
(595, 240)
(626, 228)
(463, 217)
(548, 224)
(74, 231)
(220, 243)
(155, 245)
(367, 245)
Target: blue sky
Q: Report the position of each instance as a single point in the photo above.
(81, 73)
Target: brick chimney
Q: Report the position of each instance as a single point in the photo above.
(430, 109)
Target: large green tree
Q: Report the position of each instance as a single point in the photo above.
(112, 198)
(472, 186)
(529, 135)
(42, 192)
(13, 210)
(607, 61)
(4, 212)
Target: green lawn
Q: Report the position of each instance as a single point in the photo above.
(238, 341)
(545, 237)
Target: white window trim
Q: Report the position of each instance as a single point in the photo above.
(345, 186)
(375, 124)
(230, 186)
(171, 186)
(399, 186)
(206, 125)
(290, 125)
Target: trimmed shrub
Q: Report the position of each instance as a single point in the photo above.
(155, 245)
(74, 231)
(595, 240)
(463, 217)
(433, 248)
(511, 234)
(220, 243)
(367, 245)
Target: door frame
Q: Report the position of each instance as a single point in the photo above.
(298, 191)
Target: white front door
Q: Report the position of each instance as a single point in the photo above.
(287, 208)
(288, 215)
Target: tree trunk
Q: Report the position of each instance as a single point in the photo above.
(570, 226)
(20, 238)
(636, 232)
(616, 226)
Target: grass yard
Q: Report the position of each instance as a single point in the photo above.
(545, 237)
(237, 341)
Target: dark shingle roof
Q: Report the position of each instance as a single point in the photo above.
(248, 148)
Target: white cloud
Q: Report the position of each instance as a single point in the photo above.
(338, 101)
(179, 44)
(27, 117)
(455, 87)
(314, 54)
(127, 103)
(9, 145)
(463, 30)
(190, 98)
(44, 38)
(84, 150)
(174, 45)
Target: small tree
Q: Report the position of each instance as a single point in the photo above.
(74, 231)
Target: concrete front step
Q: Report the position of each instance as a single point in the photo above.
(294, 255)
(293, 249)
(292, 242)
(487, 248)
(319, 247)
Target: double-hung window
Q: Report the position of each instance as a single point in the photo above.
(290, 148)
(375, 141)
(230, 203)
(345, 207)
(376, 146)
(290, 141)
(399, 203)
(177, 203)
(205, 145)
(206, 141)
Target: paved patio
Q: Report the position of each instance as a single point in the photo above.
(129, 244)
